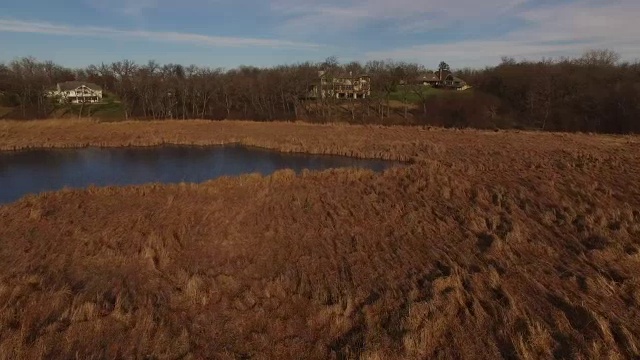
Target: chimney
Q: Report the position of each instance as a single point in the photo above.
(441, 74)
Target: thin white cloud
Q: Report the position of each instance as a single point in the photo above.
(552, 31)
(34, 27)
(329, 16)
(138, 6)
(125, 7)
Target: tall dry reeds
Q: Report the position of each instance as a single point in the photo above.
(493, 245)
(392, 143)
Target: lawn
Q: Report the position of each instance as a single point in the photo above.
(103, 111)
(415, 95)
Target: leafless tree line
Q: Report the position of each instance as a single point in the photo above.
(595, 92)
(591, 93)
(172, 91)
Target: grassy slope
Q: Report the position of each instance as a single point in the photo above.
(111, 110)
(490, 245)
(105, 111)
(426, 92)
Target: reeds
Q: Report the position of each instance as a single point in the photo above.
(391, 143)
(490, 245)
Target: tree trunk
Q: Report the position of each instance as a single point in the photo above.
(405, 106)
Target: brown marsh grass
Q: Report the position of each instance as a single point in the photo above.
(490, 245)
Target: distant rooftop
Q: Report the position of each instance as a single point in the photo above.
(72, 85)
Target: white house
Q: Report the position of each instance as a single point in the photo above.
(77, 92)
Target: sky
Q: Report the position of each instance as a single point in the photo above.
(229, 33)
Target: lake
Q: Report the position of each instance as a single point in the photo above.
(35, 171)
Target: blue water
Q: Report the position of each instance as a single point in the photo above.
(29, 172)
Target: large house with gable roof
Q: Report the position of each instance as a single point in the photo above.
(77, 92)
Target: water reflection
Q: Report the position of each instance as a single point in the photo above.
(44, 170)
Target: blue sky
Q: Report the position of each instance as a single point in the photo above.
(228, 33)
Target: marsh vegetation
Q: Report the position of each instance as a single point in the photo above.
(489, 245)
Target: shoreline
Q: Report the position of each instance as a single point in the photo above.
(394, 143)
(212, 145)
(134, 134)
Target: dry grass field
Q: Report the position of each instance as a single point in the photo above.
(487, 245)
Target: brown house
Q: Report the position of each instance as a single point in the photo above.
(442, 75)
(454, 82)
(428, 79)
(441, 78)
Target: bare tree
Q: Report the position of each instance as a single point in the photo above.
(124, 86)
(599, 57)
(592, 93)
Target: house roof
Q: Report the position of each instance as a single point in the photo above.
(343, 75)
(456, 80)
(428, 77)
(72, 85)
(445, 73)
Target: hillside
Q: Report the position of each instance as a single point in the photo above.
(105, 111)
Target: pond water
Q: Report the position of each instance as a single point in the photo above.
(35, 171)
